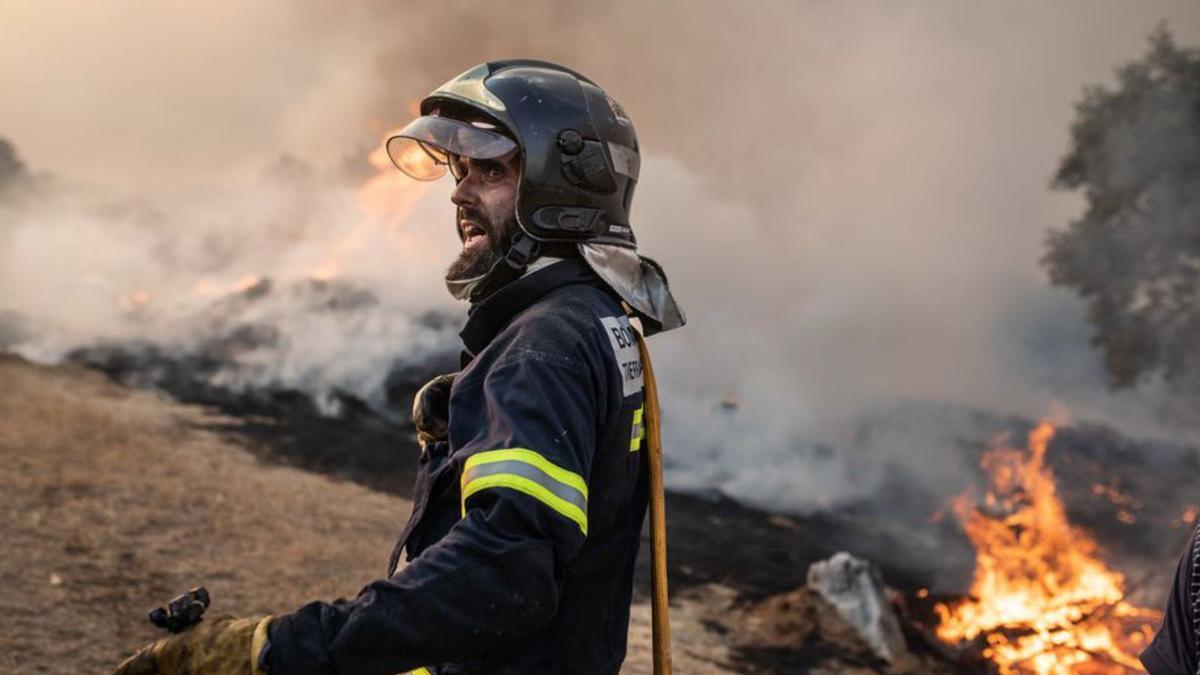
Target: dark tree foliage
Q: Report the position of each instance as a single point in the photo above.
(11, 168)
(1135, 252)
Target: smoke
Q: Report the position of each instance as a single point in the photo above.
(291, 281)
(850, 201)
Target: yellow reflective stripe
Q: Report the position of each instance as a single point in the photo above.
(529, 487)
(529, 457)
(530, 472)
(419, 671)
(527, 472)
(639, 429)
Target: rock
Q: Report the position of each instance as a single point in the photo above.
(855, 589)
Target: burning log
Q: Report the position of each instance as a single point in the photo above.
(1041, 600)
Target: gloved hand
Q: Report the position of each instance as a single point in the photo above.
(431, 409)
(220, 646)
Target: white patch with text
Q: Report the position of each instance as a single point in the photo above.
(625, 348)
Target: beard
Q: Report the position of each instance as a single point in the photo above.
(474, 263)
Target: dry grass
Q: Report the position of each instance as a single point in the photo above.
(116, 500)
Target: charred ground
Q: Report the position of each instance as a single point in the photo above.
(216, 478)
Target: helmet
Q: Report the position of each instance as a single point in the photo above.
(579, 160)
(578, 150)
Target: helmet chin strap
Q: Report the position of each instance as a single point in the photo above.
(521, 252)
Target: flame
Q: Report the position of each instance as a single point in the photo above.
(1125, 503)
(385, 201)
(246, 283)
(207, 287)
(134, 301)
(1187, 518)
(1042, 600)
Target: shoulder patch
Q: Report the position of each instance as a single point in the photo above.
(625, 349)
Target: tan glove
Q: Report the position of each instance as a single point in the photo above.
(220, 646)
(431, 409)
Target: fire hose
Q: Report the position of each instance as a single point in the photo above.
(660, 618)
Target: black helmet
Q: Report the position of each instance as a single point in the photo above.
(578, 150)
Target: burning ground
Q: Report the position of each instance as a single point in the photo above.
(1041, 598)
(96, 544)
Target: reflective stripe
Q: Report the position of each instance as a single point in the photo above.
(529, 457)
(639, 429)
(419, 671)
(531, 473)
(527, 472)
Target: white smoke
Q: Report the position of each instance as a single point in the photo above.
(850, 201)
(296, 282)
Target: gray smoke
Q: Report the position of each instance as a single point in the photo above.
(850, 200)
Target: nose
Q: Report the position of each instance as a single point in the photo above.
(464, 194)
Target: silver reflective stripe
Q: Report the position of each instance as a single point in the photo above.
(515, 468)
(625, 159)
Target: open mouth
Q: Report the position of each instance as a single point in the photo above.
(473, 234)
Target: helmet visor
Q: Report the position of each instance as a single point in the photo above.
(422, 149)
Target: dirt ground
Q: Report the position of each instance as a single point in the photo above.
(115, 500)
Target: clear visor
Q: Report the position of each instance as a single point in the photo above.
(423, 149)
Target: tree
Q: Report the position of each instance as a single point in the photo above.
(12, 169)
(1134, 254)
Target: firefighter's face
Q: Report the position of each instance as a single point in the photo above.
(486, 217)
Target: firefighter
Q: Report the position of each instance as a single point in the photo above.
(1174, 649)
(531, 489)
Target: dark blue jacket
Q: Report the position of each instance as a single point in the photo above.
(526, 522)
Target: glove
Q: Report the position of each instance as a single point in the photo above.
(431, 409)
(220, 646)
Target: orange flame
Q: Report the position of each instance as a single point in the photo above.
(385, 200)
(1188, 517)
(134, 301)
(207, 287)
(1041, 598)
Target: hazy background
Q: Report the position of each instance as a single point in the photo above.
(850, 199)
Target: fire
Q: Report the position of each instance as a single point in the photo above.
(1188, 517)
(1125, 503)
(1041, 598)
(385, 201)
(135, 301)
(207, 287)
(379, 219)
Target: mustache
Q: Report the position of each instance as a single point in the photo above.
(499, 233)
(474, 214)
(478, 217)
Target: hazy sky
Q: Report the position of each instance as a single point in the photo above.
(850, 197)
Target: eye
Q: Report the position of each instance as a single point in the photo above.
(493, 170)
